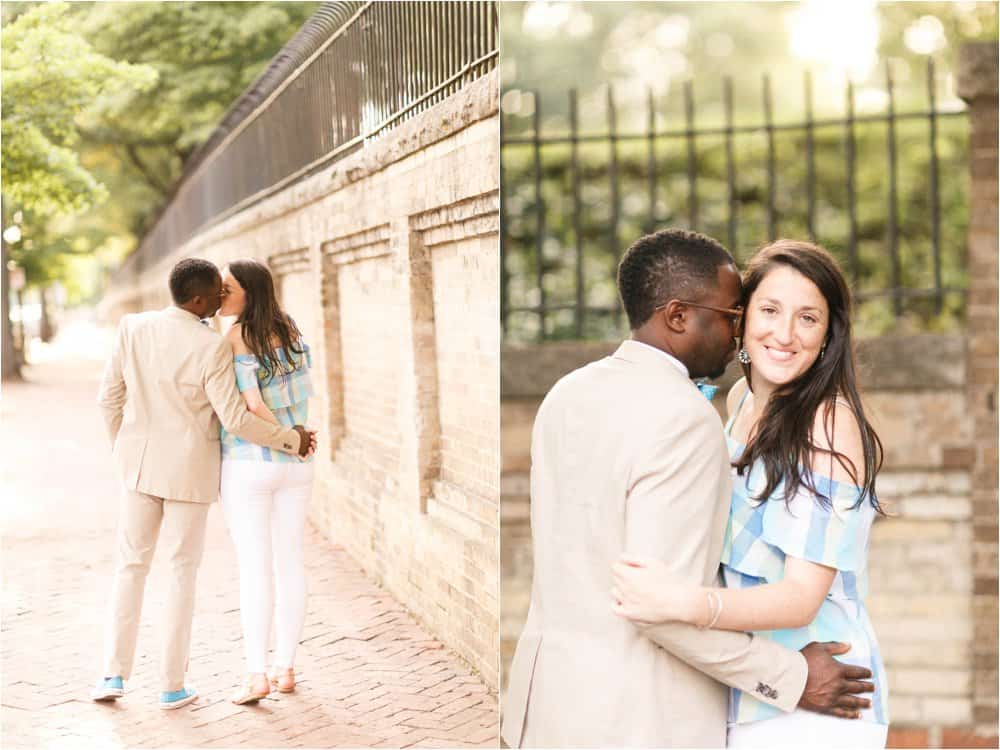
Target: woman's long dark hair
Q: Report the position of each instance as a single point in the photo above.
(263, 320)
(783, 436)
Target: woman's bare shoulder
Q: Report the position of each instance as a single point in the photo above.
(836, 430)
(736, 393)
(235, 338)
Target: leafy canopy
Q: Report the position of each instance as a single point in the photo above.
(104, 102)
(51, 75)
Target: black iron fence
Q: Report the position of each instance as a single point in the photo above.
(356, 72)
(885, 192)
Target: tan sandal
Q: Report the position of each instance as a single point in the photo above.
(247, 694)
(284, 680)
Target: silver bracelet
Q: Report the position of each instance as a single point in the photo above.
(713, 603)
(718, 612)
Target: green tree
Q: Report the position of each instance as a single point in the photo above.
(205, 53)
(640, 46)
(123, 141)
(51, 76)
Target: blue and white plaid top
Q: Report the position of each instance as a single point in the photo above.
(759, 535)
(287, 396)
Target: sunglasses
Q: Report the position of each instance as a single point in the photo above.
(735, 314)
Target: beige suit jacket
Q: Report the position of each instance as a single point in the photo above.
(628, 456)
(168, 382)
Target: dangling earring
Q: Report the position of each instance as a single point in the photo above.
(822, 350)
(744, 357)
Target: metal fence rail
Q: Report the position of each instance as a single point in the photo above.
(539, 241)
(385, 64)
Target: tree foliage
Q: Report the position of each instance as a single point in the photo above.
(640, 46)
(102, 104)
(205, 53)
(51, 76)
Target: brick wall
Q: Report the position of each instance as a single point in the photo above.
(923, 600)
(388, 260)
(977, 84)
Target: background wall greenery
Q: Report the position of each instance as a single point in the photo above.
(643, 49)
(600, 251)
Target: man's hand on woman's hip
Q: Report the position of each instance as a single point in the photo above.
(833, 687)
(307, 440)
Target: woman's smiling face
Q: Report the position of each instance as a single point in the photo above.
(786, 322)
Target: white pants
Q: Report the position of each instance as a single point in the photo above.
(800, 729)
(265, 508)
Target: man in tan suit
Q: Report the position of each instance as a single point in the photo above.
(628, 456)
(168, 383)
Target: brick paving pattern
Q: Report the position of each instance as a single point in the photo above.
(368, 674)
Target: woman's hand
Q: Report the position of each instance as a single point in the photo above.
(645, 591)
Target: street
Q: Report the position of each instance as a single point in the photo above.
(368, 674)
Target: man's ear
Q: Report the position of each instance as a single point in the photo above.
(674, 315)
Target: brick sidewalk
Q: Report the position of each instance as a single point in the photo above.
(369, 675)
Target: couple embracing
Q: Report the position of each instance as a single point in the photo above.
(675, 557)
(193, 415)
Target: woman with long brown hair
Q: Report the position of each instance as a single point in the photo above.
(265, 494)
(805, 459)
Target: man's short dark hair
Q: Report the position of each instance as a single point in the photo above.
(669, 264)
(191, 277)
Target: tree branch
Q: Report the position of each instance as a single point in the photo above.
(151, 178)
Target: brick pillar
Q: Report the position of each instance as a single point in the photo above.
(977, 85)
(427, 423)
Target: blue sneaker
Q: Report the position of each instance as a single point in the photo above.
(178, 698)
(108, 689)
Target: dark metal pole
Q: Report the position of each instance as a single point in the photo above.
(651, 160)
(810, 162)
(451, 41)
(504, 243)
(935, 194)
(437, 50)
(539, 213)
(613, 177)
(465, 39)
(422, 51)
(772, 211)
(852, 197)
(574, 125)
(893, 225)
(692, 156)
(727, 99)
(393, 21)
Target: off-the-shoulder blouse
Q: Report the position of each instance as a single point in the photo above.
(760, 535)
(286, 395)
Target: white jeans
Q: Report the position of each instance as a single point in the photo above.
(802, 728)
(265, 508)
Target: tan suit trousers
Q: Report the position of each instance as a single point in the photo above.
(142, 520)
